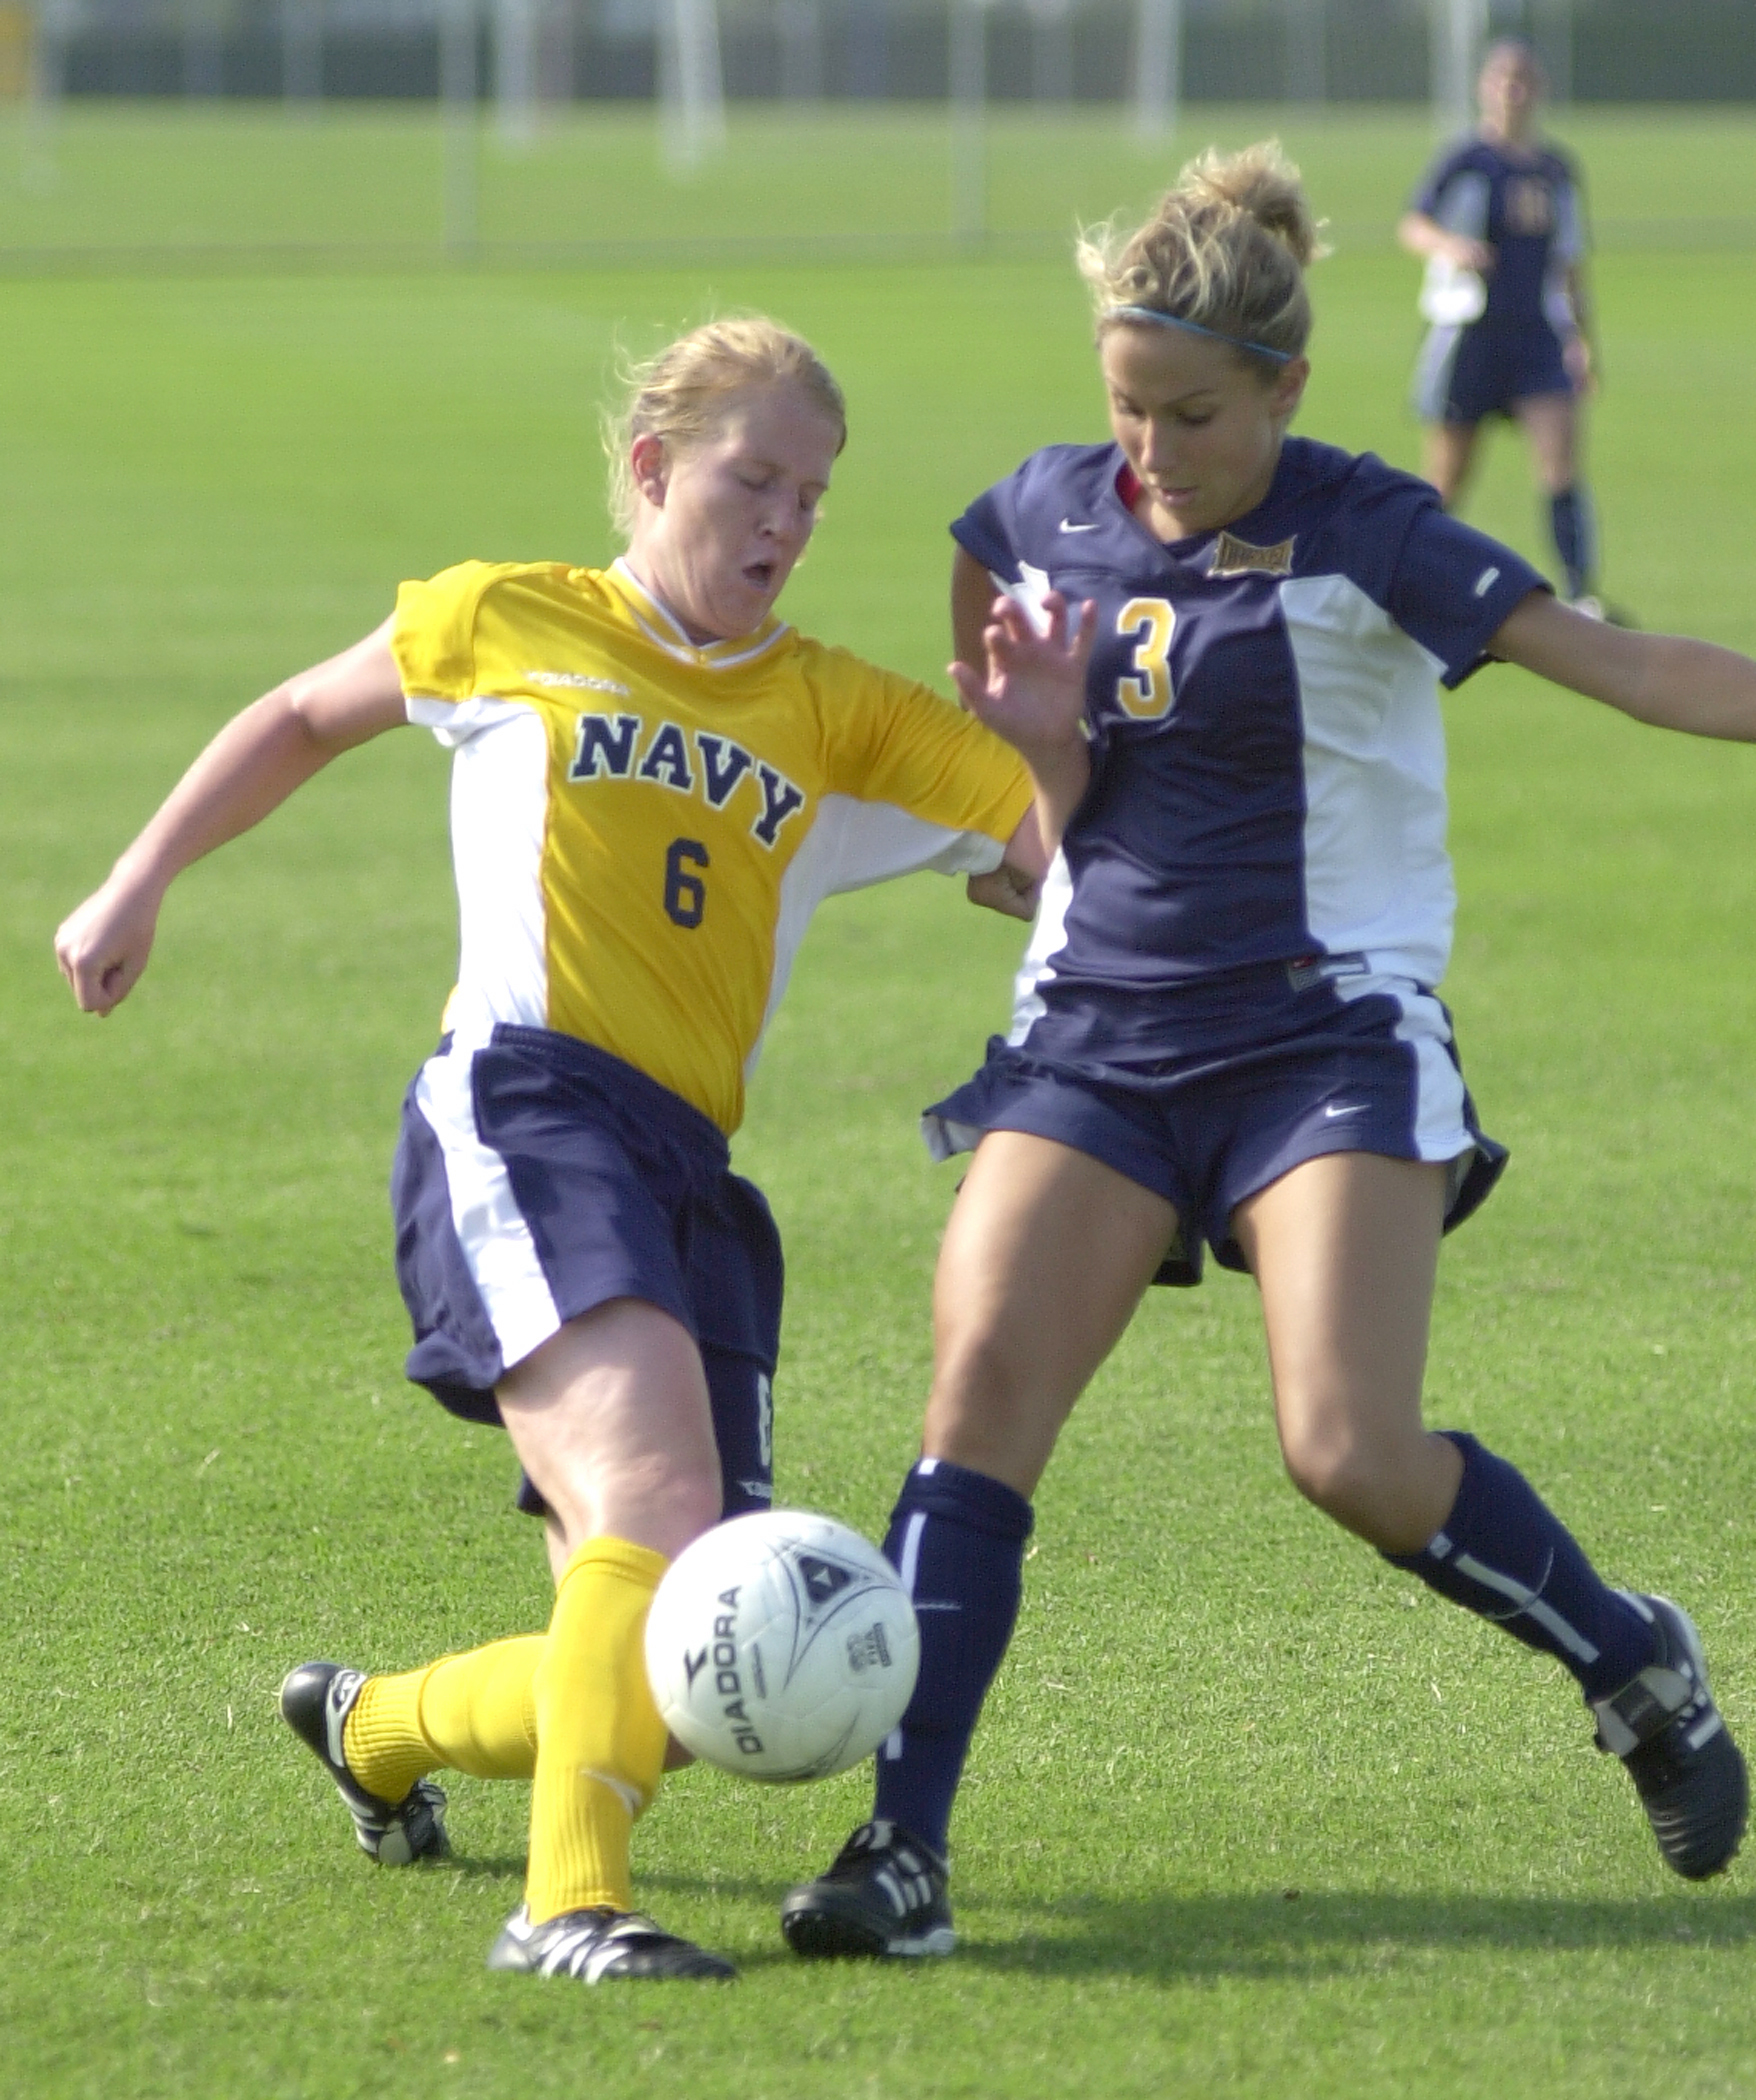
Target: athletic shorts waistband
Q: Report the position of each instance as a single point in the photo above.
(635, 1092)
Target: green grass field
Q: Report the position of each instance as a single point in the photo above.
(151, 182)
(1236, 1823)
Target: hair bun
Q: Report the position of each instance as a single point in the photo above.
(1263, 184)
(1226, 250)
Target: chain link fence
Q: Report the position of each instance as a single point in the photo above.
(188, 127)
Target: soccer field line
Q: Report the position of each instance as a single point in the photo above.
(1730, 235)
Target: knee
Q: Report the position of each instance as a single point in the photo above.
(1328, 1466)
(976, 1372)
(990, 1409)
(1370, 1487)
(658, 1500)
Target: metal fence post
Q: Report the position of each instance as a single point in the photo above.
(969, 141)
(457, 97)
(1158, 68)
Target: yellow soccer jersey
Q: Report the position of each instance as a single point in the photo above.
(641, 828)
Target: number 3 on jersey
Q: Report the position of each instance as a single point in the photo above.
(1144, 692)
(685, 894)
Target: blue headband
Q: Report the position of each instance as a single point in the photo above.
(1164, 320)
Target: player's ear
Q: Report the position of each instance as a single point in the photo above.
(1289, 389)
(651, 467)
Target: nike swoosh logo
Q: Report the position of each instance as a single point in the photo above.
(1357, 1108)
(1067, 525)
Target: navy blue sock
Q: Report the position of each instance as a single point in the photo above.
(1571, 522)
(1506, 1556)
(957, 1539)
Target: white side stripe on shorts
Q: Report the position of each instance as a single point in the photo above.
(490, 1228)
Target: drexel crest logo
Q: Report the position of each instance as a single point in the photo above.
(1236, 557)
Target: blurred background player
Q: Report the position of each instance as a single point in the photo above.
(1225, 1031)
(656, 780)
(1500, 219)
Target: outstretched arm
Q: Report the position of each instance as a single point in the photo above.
(249, 769)
(1664, 679)
(1031, 692)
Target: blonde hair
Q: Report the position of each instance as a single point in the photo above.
(683, 393)
(1225, 252)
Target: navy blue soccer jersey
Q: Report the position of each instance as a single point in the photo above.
(1267, 747)
(1528, 207)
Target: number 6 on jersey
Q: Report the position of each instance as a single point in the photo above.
(685, 895)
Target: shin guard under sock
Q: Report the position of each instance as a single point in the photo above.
(479, 1711)
(957, 1539)
(1503, 1554)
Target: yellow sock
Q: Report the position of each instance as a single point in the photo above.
(382, 1739)
(479, 1711)
(600, 1742)
(474, 1713)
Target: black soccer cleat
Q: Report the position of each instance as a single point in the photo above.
(1666, 1729)
(602, 1946)
(315, 1702)
(885, 1895)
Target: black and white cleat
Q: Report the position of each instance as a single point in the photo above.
(315, 1702)
(602, 1946)
(885, 1895)
(1665, 1728)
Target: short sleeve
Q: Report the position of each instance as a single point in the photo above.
(1572, 235)
(434, 635)
(1452, 588)
(988, 530)
(1429, 192)
(895, 742)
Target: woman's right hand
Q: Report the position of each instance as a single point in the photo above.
(1034, 696)
(1466, 254)
(102, 946)
(250, 768)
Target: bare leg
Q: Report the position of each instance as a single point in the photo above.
(610, 1419)
(1448, 455)
(1550, 423)
(1044, 1260)
(1344, 1249)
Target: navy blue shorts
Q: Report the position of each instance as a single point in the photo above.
(538, 1178)
(1484, 369)
(1343, 1061)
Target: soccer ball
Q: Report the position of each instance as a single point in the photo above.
(782, 1646)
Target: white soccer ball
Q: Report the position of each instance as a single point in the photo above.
(782, 1646)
